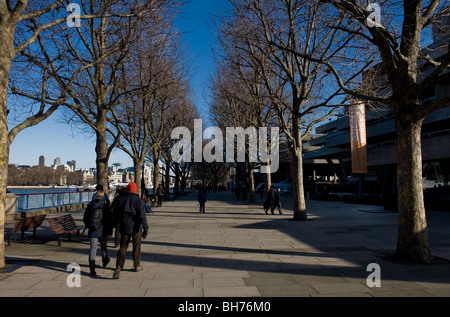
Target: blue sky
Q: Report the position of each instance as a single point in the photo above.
(54, 139)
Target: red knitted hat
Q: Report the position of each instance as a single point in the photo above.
(132, 187)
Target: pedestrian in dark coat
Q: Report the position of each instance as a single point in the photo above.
(202, 197)
(160, 194)
(119, 191)
(131, 216)
(101, 233)
(277, 200)
(270, 200)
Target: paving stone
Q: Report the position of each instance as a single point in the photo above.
(238, 251)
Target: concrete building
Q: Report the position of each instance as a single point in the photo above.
(42, 160)
(73, 165)
(332, 142)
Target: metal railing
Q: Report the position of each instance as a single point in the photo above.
(27, 202)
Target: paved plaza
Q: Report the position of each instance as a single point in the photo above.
(236, 250)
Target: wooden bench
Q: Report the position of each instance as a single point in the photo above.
(64, 225)
(25, 223)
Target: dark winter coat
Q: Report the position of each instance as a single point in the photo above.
(160, 191)
(277, 198)
(270, 197)
(129, 213)
(201, 197)
(107, 222)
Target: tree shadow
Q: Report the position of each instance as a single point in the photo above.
(337, 240)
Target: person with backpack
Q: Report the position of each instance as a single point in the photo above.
(130, 214)
(98, 219)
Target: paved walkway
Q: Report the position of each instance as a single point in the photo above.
(235, 250)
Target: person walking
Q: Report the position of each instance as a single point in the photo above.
(98, 219)
(160, 195)
(105, 197)
(119, 191)
(270, 200)
(201, 197)
(131, 216)
(277, 200)
(147, 203)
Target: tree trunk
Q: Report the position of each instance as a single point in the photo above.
(251, 178)
(138, 174)
(156, 170)
(177, 179)
(412, 244)
(6, 57)
(267, 180)
(297, 168)
(167, 182)
(297, 185)
(101, 149)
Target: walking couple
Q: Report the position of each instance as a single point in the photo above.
(128, 211)
(273, 200)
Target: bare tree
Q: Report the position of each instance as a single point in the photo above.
(410, 69)
(85, 62)
(97, 92)
(277, 30)
(239, 101)
(15, 16)
(147, 81)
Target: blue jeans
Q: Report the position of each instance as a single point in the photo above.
(93, 242)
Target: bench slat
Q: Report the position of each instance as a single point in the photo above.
(23, 224)
(63, 225)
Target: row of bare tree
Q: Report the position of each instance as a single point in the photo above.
(121, 75)
(293, 63)
(43, 175)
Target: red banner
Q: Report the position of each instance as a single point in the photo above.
(358, 139)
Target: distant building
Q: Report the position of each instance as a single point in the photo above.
(115, 176)
(333, 140)
(72, 164)
(63, 167)
(128, 177)
(57, 161)
(116, 167)
(88, 176)
(147, 172)
(42, 160)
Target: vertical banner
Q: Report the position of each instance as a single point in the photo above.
(358, 137)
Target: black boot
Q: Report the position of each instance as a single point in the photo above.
(92, 268)
(105, 261)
